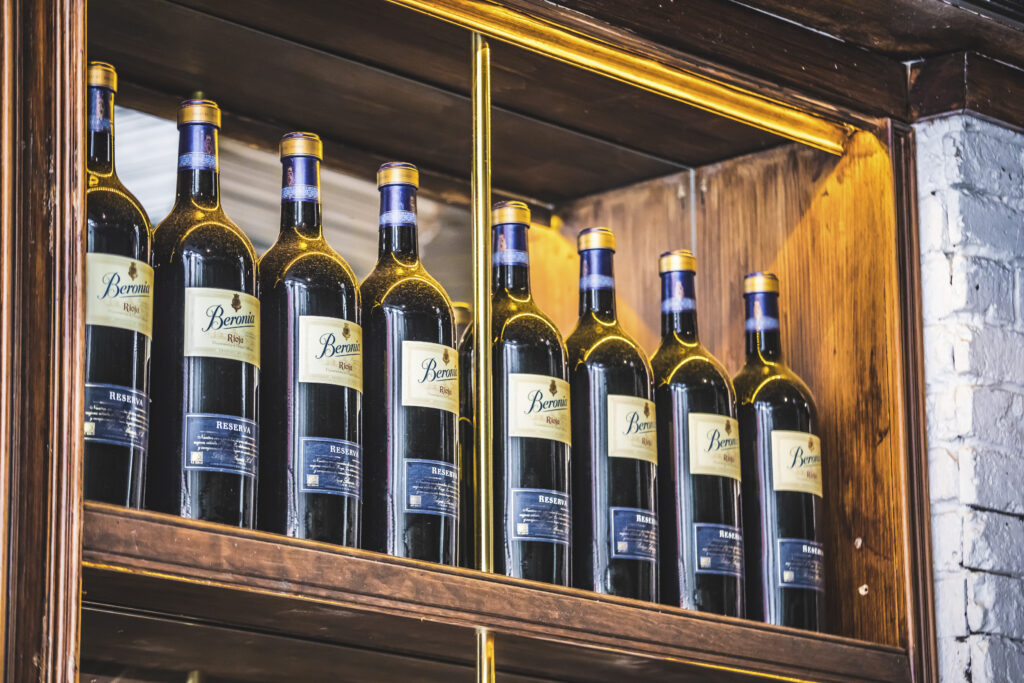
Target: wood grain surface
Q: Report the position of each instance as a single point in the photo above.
(217, 577)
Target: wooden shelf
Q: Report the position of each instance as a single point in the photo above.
(166, 594)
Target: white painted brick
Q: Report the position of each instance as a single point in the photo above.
(947, 541)
(994, 354)
(954, 660)
(980, 285)
(1018, 298)
(951, 413)
(993, 542)
(943, 475)
(989, 479)
(981, 221)
(996, 415)
(950, 602)
(996, 660)
(937, 280)
(986, 159)
(931, 222)
(995, 604)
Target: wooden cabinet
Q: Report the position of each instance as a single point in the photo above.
(590, 123)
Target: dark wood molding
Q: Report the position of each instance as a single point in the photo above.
(43, 247)
(917, 508)
(133, 561)
(967, 81)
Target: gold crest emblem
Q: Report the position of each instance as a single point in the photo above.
(133, 271)
(553, 388)
(445, 357)
(810, 444)
(344, 331)
(502, 245)
(728, 427)
(236, 302)
(647, 410)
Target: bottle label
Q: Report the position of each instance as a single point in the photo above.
(796, 462)
(539, 515)
(719, 549)
(510, 245)
(631, 428)
(801, 564)
(596, 269)
(222, 323)
(762, 311)
(330, 351)
(430, 376)
(431, 487)
(714, 445)
(197, 147)
(634, 534)
(538, 407)
(301, 181)
(221, 443)
(116, 415)
(330, 466)
(101, 104)
(119, 293)
(677, 292)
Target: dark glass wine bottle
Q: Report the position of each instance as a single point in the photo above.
(310, 469)
(411, 380)
(698, 456)
(118, 314)
(782, 485)
(206, 350)
(532, 432)
(614, 449)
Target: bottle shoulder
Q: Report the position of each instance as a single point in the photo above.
(109, 205)
(189, 230)
(605, 345)
(518, 321)
(773, 383)
(407, 288)
(312, 264)
(678, 362)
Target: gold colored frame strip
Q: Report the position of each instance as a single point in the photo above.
(586, 52)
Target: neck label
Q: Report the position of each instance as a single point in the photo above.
(197, 147)
(397, 205)
(762, 312)
(430, 376)
(510, 245)
(222, 323)
(796, 462)
(119, 293)
(677, 292)
(538, 407)
(596, 269)
(714, 445)
(330, 351)
(301, 181)
(101, 110)
(631, 428)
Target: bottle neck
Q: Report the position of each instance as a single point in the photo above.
(101, 131)
(764, 341)
(198, 176)
(300, 197)
(511, 259)
(398, 222)
(597, 284)
(679, 305)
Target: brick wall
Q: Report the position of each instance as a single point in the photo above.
(970, 176)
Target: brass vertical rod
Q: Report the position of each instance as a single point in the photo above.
(481, 182)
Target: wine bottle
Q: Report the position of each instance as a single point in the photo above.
(532, 432)
(614, 445)
(781, 463)
(698, 456)
(411, 380)
(206, 350)
(118, 314)
(310, 470)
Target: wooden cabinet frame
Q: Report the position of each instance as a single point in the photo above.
(42, 258)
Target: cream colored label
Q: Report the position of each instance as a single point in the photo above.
(222, 323)
(430, 376)
(714, 445)
(631, 428)
(538, 407)
(119, 293)
(330, 351)
(796, 462)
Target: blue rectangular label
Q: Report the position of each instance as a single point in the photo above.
(801, 564)
(719, 549)
(331, 466)
(431, 487)
(221, 443)
(116, 415)
(539, 515)
(634, 534)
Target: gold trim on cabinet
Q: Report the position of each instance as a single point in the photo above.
(717, 97)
